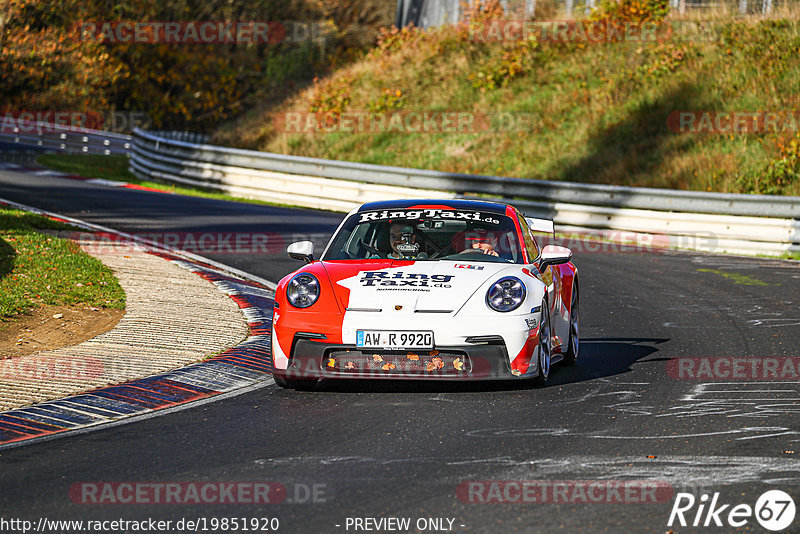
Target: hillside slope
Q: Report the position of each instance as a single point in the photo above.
(601, 112)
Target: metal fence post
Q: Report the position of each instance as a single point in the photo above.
(530, 9)
(398, 16)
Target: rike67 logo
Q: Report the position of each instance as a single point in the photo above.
(774, 510)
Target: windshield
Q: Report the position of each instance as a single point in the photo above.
(427, 235)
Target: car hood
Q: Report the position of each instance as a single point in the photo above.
(424, 286)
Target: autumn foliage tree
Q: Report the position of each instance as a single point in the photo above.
(48, 63)
(44, 65)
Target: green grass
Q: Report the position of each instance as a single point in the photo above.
(37, 268)
(89, 165)
(737, 278)
(600, 110)
(116, 168)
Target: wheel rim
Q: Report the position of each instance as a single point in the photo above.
(573, 325)
(544, 343)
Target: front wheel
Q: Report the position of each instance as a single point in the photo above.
(573, 345)
(293, 383)
(280, 379)
(303, 385)
(544, 347)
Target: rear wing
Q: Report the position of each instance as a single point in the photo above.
(541, 225)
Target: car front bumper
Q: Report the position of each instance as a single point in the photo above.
(314, 359)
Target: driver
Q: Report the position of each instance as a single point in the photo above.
(480, 241)
(485, 248)
(405, 241)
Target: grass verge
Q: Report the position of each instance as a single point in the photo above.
(37, 268)
(116, 168)
(89, 165)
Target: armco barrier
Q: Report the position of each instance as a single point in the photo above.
(59, 138)
(749, 224)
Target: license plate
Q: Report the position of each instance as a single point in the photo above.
(394, 339)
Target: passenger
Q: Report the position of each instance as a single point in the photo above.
(404, 242)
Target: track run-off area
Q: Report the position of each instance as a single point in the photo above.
(688, 382)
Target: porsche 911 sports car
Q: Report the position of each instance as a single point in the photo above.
(432, 289)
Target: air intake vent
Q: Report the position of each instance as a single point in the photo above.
(418, 363)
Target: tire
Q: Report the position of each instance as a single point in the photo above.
(303, 385)
(545, 349)
(280, 379)
(293, 383)
(573, 344)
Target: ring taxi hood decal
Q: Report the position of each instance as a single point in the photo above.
(401, 279)
(415, 285)
(437, 213)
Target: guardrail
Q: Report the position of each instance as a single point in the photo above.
(188, 137)
(716, 222)
(54, 137)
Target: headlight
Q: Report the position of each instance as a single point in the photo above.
(506, 294)
(303, 290)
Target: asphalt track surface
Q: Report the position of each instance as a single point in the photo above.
(402, 450)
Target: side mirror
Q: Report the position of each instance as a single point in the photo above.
(301, 250)
(554, 255)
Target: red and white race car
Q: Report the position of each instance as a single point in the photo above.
(433, 289)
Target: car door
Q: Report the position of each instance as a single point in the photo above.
(551, 276)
